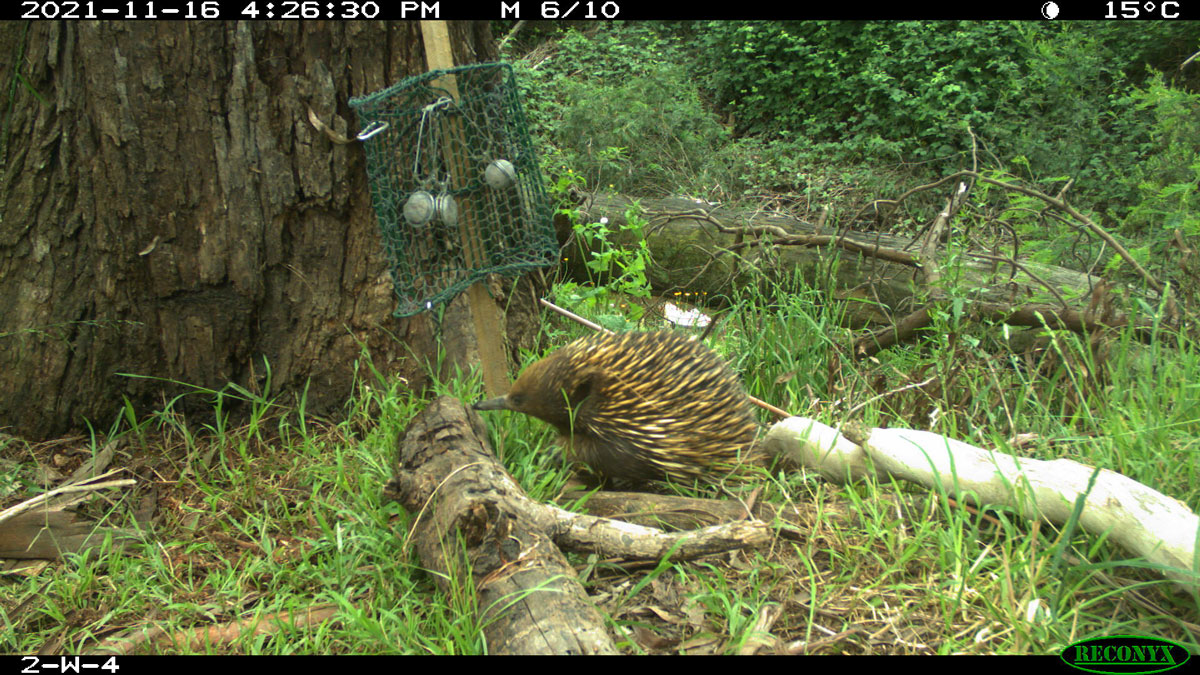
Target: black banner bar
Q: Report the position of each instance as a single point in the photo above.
(597, 10)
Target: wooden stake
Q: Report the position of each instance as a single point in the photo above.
(489, 333)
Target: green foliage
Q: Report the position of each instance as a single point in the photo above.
(617, 270)
(619, 107)
(617, 260)
(1168, 178)
(623, 266)
(1070, 114)
(664, 136)
(1166, 219)
(896, 87)
(885, 92)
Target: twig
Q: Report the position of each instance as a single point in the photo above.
(573, 316)
(202, 637)
(860, 406)
(1015, 263)
(974, 149)
(88, 485)
(515, 29)
(1070, 210)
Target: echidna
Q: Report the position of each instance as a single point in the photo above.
(639, 406)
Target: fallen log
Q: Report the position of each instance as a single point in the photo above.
(707, 249)
(1146, 522)
(473, 523)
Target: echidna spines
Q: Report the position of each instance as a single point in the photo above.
(639, 405)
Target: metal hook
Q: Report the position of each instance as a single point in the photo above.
(372, 129)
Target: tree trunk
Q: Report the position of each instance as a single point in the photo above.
(167, 210)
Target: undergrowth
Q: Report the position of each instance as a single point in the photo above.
(283, 512)
(274, 510)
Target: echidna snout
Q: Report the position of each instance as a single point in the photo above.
(640, 406)
(499, 403)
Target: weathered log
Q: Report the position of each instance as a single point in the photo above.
(47, 535)
(467, 505)
(673, 512)
(690, 242)
(1150, 524)
(473, 519)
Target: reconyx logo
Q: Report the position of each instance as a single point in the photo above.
(1125, 654)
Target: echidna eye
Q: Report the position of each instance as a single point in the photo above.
(516, 400)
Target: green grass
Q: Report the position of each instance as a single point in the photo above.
(286, 515)
(264, 509)
(282, 512)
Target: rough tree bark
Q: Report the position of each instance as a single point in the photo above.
(475, 523)
(474, 527)
(168, 210)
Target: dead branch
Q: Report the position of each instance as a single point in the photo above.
(1080, 218)
(698, 246)
(474, 523)
(511, 34)
(204, 637)
(1151, 525)
(42, 528)
(619, 539)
